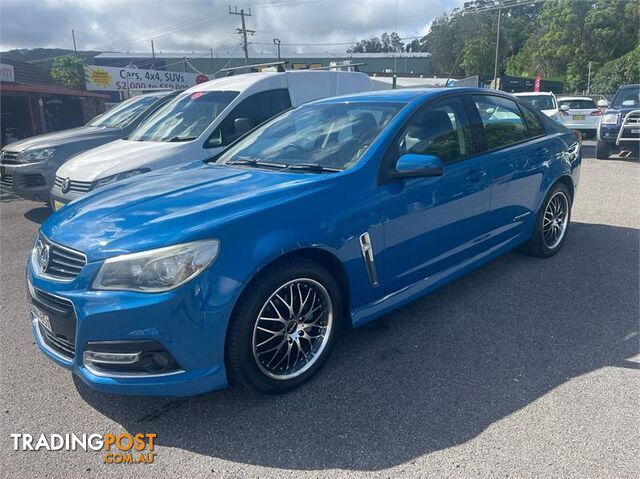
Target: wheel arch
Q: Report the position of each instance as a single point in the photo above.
(320, 256)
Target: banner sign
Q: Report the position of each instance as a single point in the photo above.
(101, 78)
(536, 85)
(7, 73)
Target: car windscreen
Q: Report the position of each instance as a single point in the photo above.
(331, 136)
(124, 113)
(540, 102)
(579, 104)
(184, 118)
(627, 97)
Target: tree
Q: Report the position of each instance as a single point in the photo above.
(69, 70)
(621, 71)
(388, 42)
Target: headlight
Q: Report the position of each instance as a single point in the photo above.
(610, 119)
(36, 155)
(120, 176)
(157, 270)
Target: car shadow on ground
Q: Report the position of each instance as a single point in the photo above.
(430, 376)
(38, 215)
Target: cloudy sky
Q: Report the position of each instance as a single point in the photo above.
(198, 25)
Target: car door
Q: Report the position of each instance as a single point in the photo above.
(433, 223)
(516, 149)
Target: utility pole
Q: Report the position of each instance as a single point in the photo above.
(495, 66)
(243, 30)
(73, 35)
(276, 41)
(212, 69)
(589, 79)
(153, 52)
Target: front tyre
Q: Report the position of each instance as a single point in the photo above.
(284, 326)
(552, 223)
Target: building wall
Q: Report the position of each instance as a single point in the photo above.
(407, 64)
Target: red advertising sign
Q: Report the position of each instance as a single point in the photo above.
(536, 86)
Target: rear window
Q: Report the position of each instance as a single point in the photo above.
(540, 102)
(581, 104)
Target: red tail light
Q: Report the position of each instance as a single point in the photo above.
(596, 113)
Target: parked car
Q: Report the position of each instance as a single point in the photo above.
(546, 102)
(331, 214)
(620, 124)
(28, 167)
(198, 124)
(583, 114)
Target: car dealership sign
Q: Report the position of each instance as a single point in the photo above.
(7, 73)
(116, 79)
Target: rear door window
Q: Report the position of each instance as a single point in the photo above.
(502, 121)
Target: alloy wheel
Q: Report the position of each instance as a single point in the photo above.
(555, 220)
(292, 329)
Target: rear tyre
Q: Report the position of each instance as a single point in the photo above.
(552, 223)
(603, 150)
(284, 326)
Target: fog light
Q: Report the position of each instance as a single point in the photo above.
(129, 358)
(110, 358)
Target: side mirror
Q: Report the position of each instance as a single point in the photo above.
(564, 108)
(602, 103)
(242, 126)
(411, 165)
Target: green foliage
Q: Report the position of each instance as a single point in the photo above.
(69, 70)
(621, 71)
(556, 38)
(388, 42)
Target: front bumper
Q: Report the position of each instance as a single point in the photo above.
(29, 181)
(189, 322)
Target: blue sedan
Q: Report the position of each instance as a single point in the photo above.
(249, 265)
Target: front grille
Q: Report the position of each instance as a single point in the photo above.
(61, 337)
(32, 180)
(63, 263)
(57, 343)
(632, 119)
(9, 158)
(6, 181)
(78, 186)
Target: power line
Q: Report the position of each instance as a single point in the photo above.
(243, 31)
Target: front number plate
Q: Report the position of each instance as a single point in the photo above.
(635, 131)
(41, 317)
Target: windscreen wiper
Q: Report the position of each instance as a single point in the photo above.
(256, 163)
(313, 167)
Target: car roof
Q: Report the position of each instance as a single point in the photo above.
(533, 93)
(403, 95)
(575, 98)
(244, 81)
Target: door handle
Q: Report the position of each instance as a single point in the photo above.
(475, 176)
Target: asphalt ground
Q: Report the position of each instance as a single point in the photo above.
(523, 368)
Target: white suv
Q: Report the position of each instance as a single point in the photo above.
(583, 114)
(545, 102)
